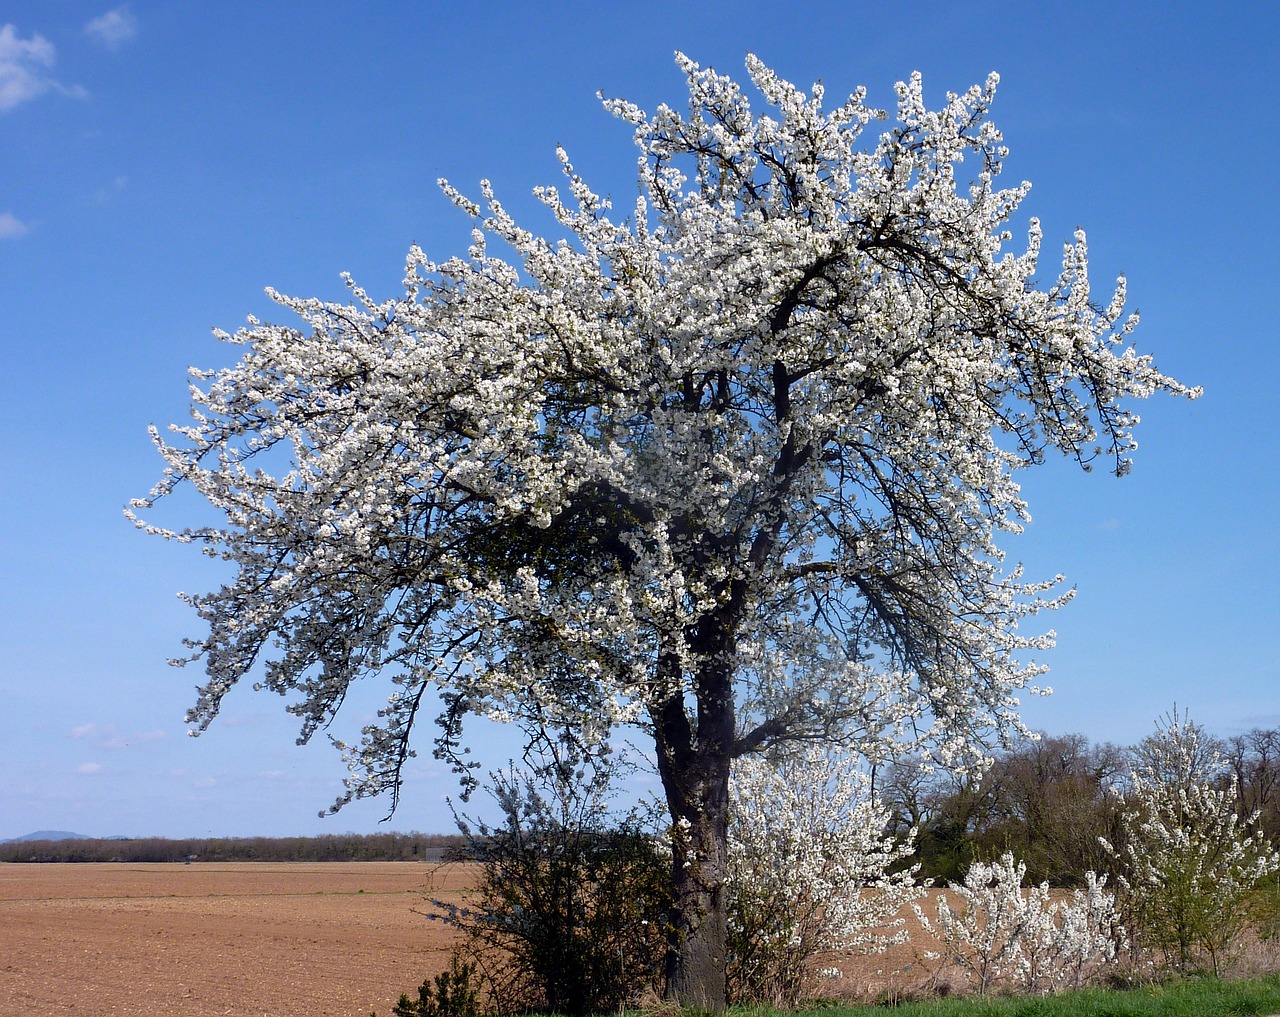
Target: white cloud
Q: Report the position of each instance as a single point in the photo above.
(12, 227)
(23, 69)
(109, 736)
(20, 63)
(89, 768)
(114, 28)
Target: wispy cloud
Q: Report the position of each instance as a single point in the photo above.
(24, 65)
(88, 769)
(12, 227)
(108, 736)
(114, 28)
(105, 193)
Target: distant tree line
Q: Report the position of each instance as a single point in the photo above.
(1052, 800)
(348, 847)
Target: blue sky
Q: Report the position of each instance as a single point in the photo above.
(161, 163)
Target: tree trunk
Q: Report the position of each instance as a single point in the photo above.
(699, 934)
(693, 761)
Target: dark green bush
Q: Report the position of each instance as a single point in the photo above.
(570, 912)
(452, 995)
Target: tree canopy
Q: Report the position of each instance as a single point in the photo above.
(731, 467)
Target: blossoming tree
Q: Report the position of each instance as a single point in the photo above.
(731, 468)
(1190, 865)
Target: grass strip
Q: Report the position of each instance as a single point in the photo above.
(1205, 997)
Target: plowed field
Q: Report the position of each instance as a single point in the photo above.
(254, 939)
(204, 940)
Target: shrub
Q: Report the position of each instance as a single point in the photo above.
(1191, 870)
(810, 871)
(1005, 933)
(452, 995)
(570, 912)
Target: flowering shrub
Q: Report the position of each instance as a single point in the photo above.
(1191, 868)
(810, 872)
(1003, 932)
(1090, 934)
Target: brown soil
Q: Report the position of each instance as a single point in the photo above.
(241, 939)
(262, 940)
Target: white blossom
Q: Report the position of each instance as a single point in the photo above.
(1003, 932)
(811, 871)
(1190, 865)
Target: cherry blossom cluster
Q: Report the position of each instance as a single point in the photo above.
(810, 874)
(1002, 933)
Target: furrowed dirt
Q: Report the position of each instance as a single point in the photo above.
(236, 939)
(271, 939)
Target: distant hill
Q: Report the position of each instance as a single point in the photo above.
(48, 835)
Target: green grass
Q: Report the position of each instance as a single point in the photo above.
(1195, 998)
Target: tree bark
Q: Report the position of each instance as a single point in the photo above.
(696, 958)
(693, 761)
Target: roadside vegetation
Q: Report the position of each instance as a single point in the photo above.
(829, 903)
(1198, 997)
